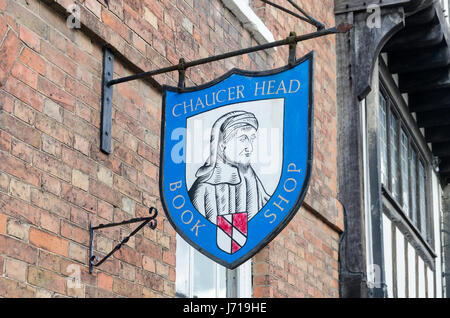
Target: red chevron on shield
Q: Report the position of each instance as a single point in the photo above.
(232, 232)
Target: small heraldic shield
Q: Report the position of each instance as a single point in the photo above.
(236, 157)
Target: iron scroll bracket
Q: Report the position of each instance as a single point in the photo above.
(93, 260)
(108, 70)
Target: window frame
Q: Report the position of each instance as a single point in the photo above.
(414, 222)
(238, 283)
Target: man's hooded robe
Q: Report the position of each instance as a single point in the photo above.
(222, 188)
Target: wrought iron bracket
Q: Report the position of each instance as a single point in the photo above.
(108, 70)
(107, 94)
(304, 16)
(93, 260)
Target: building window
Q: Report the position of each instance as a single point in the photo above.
(197, 276)
(404, 147)
(403, 169)
(413, 186)
(383, 141)
(393, 130)
(422, 200)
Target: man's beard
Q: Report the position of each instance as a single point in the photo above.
(242, 165)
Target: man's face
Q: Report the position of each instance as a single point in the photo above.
(239, 148)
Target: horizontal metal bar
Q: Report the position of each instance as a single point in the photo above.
(342, 28)
(102, 226)
(303, 18)
(313, 21)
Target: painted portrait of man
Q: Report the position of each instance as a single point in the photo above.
(227, 183)
(227, 190)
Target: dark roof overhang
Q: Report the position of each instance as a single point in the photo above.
(420, 55)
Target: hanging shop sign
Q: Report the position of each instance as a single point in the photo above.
(236, 157)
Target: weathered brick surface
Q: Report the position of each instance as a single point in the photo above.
(54, 180)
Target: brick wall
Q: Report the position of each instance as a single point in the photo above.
(54, 180)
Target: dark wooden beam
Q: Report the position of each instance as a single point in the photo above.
(437, 134)
(415, 37)
(434, 79)
(445, 177)
(422, 17)
(419, 60)
(444, 166)
(430, 100)
(441, 149)
(434, 119)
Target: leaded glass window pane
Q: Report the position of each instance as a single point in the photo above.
(422, 200)
(383, 142)
(395, 184)
(404, 170)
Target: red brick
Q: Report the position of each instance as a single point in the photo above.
(104, 192)
(49, 242)
(78, 161)
(148, 248)
(29, 38)
(79, 217)
(58, 58)
(24, 112)
(19, 169)
(9, 52)
(74, 233)
(13, 289)
(57, 39)
(24, 74)
(148, 153)
(49, 222)
(105, 281)
(52, 166)
(3, 219)
(129, 255)
(127, 188)
(6, 103)
(3, 25)
(50, 184)
(169, 258)
(55, 75)
(83, 93)
(105, 210)
(16, 270)
(50, 203)
(82, 144)
(25, 93)
(125, 288)
(56, 94)
(18, 250)
(78, 252)
(33, 60)
(20, 130)
(127, 155)
(49, 261)
(114, 23)
(79, 198)
(46, 279)
(5, 141)
(128, 124)
(54, 129)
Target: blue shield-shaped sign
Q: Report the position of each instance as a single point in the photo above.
(236, 157)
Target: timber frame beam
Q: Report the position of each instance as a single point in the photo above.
(358, 51)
